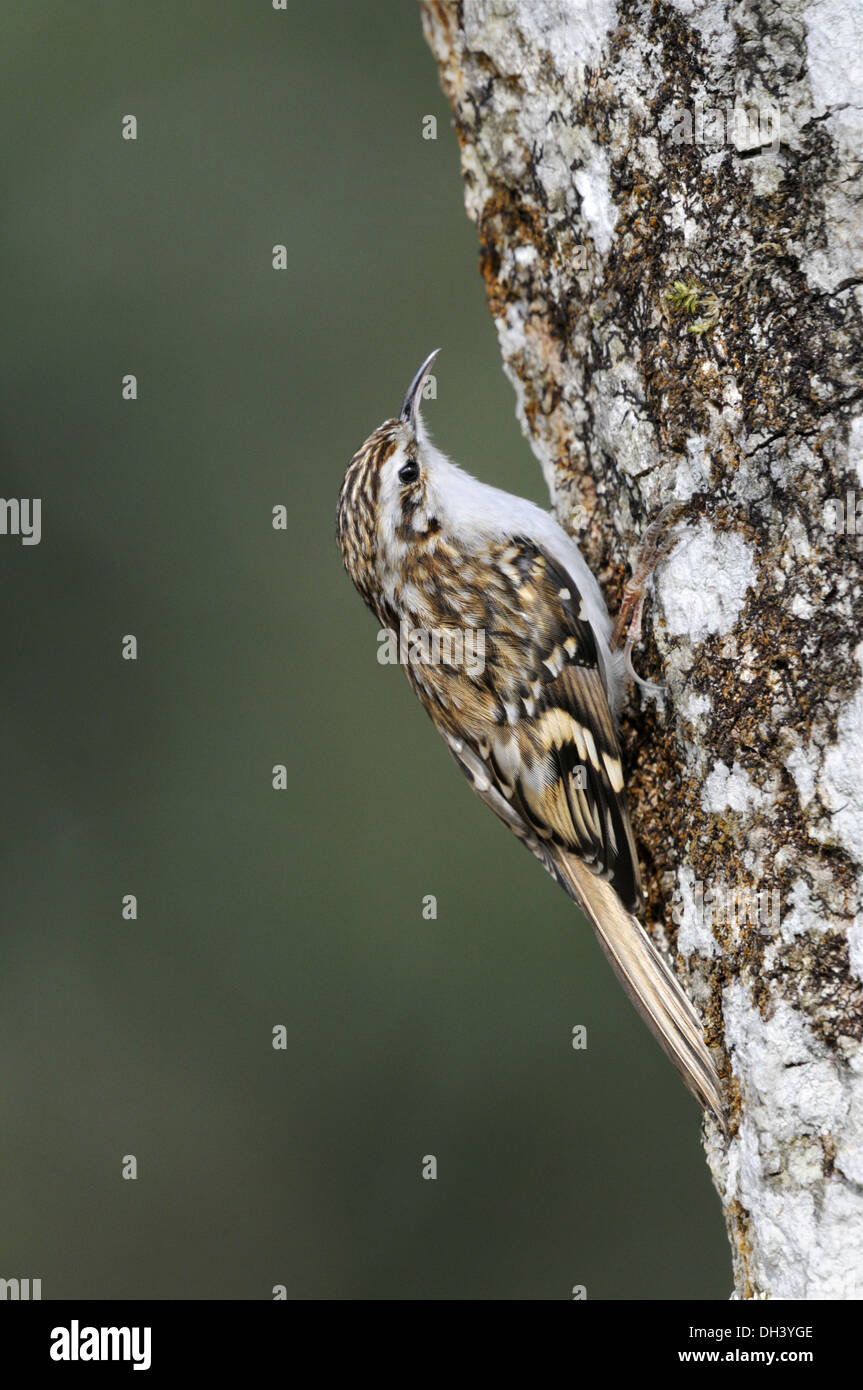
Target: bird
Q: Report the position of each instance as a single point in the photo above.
(533, 726)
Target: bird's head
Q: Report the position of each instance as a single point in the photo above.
(387, 504)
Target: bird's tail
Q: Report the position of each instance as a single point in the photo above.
(648, 981)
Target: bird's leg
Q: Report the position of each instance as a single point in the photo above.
(656, 543)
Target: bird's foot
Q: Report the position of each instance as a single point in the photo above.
(656, 543)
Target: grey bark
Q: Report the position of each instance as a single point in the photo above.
(678, 307)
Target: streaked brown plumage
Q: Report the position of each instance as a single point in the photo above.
(534, 729)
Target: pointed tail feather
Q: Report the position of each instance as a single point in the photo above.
(648, 981)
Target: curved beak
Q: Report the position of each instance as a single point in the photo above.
(412, 399)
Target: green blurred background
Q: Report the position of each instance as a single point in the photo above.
(154, 1038)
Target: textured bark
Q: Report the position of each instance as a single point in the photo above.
(739, 394)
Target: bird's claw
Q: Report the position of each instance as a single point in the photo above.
(655, 544)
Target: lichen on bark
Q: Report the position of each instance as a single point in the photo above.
(667, 201)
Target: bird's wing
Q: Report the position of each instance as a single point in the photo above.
(533, 730)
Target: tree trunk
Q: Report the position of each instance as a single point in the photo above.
(667, 198)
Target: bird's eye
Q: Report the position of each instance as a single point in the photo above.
(410, 471)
